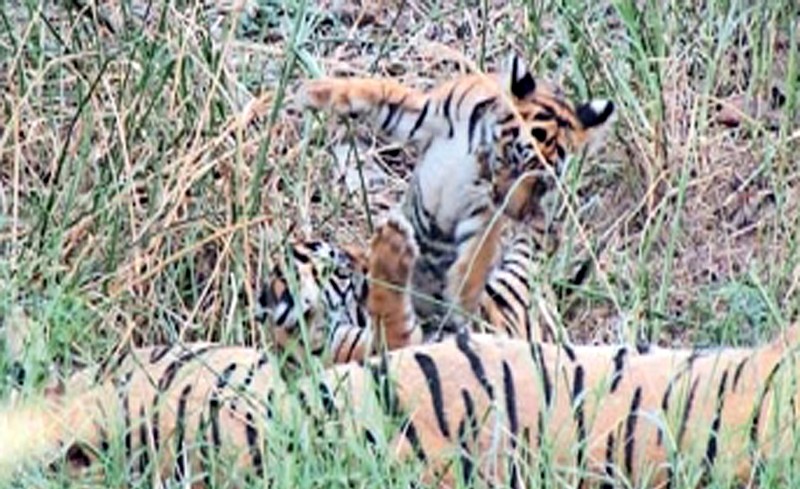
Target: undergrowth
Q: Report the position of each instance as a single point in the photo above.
(153, 163)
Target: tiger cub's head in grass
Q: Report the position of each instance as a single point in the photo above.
(315, 290)
(538, 129)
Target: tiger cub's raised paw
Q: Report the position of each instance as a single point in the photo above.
(393, 252)
(339, 95)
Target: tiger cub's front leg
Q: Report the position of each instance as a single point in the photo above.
(392, 254)
(402, 113)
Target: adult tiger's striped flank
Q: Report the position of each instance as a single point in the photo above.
(489, 144)
(472, 409)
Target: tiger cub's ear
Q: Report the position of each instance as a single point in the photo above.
(595, 113)
(596, 117)
(517, 79)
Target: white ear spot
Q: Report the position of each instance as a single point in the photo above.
(599, 106)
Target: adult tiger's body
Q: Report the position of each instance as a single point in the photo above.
(472, 407)
(490, 145)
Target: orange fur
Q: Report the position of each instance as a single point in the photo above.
(604, 414)
(489, 144)
(349, 300)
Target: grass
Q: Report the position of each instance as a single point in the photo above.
(152, 165)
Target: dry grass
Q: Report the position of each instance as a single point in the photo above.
(152, 163)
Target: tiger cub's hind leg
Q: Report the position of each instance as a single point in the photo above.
(392, 254)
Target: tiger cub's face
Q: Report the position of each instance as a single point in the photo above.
(537, 130)
(303, 295)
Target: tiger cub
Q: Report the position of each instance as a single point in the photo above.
(341, 303)
(472, 410)
(488, 143)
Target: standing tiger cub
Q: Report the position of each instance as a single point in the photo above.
(490, 146)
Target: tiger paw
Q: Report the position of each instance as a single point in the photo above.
(339, 95)
(315, 94)
(393, 252)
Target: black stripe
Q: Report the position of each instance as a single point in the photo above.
(109, 368)
(711, 447)
(225, 376)
(372, 440)
(755, 417)
(513, 420)
(288, 299)
(410, 432)
(337, 289)
(511, 268)
(687, 410)
(299, 255)
(180, 434)
(144, 457)
(474, 117)
(561, 152)
(392, 111)
(609, 462)
(464, 94)
(547, 386)
(213, 415)
(338, 352)
(569, 351)
(738, 373)
(446, 111)
(327, 398)
(469, 422)
(619, 363)
(158, 353)
(251, 372)
(392, 106)
(475, 363)
(353, 345)
(478, 210)
(507, 118)
(251, 433)
(303, 400)
(630, 430)
(467, 468)
(361, 316)
(172, 369)
(154, 424)
(497, 297)
(578, 413)
(510, 289)
(526, 319)
(205, 457)
(420, 119)
(431, 374)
